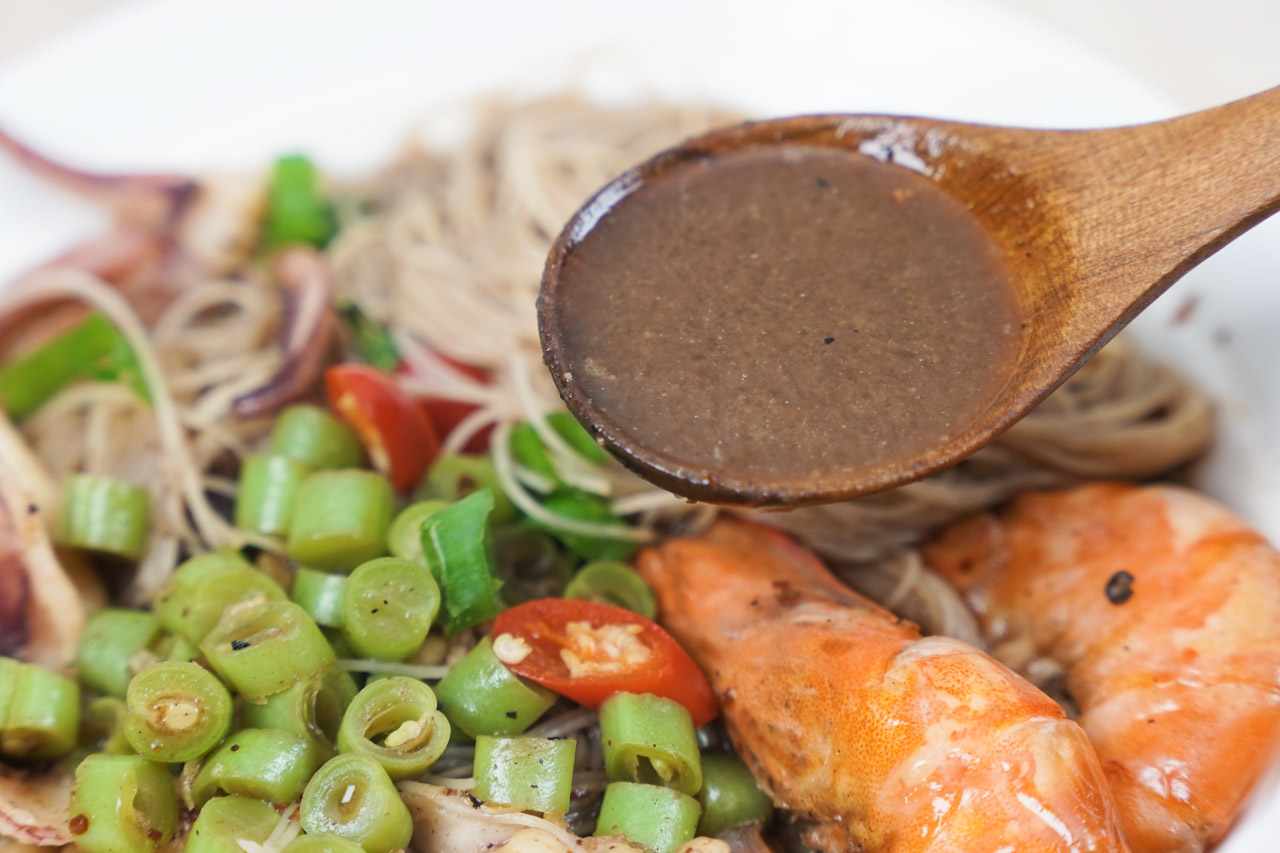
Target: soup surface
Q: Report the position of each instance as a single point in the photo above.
(785, 315)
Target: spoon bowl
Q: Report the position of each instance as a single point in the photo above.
(1090, 226)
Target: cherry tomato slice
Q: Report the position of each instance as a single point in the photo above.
(399, 438)
(650, 662)
(445, 414)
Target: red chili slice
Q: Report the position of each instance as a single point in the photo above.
(642, 658)
(399, 438)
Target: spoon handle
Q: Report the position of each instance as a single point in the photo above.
(1154, 200)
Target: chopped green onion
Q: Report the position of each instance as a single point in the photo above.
(580, 506)
(404, 538)
(122, 804)
(340, 519)
(388, 605)
(93, 350)
(205, 588)
(662, 819)
(39, 711)
(527, 450)
(108, 649)
(529, 773)
(104, 515)
(395, 722)
(177, 712)
(577, 437)
(454, 476)
(480, 696)
(311, 708)
(459, 552)
(369, 338)
(297, 208)
(226, 821)
(266, 764)
(315, 438)
(613, 583)
(730, 796)
(651, 739)
(102, 726)
(266, 647)
(530, 564)
(268, 488)
(351, 796)
(320, 594)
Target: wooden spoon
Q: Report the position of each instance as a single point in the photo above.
(1092, 226)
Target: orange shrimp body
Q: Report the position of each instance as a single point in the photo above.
(1164, 612)
(886, 740)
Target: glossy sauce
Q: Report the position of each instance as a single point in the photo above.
(786, 314)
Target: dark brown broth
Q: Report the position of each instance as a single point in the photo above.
(789, 314)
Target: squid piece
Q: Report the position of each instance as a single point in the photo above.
(305, 335)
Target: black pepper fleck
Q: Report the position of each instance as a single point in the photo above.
(511, 715)
(235, 747)
(1120, 587)
(239, 645)
(828, 340)
(475, 804)
(823, 182)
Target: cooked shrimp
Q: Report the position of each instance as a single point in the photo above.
(1163, 611)
(888, 741)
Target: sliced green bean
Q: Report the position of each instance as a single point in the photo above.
(530, 564)
(267, 492)
(204, 588)
(226, 821)
(730, 796)
(395, 722)
(266, 647)
(530, 773)
(311, 708)
(459, 552)
(662, 819)
(108, 649)
(404, 538)
(581, 506)
(177, 649)
(41, 720)
(265, 764)
(324, 842)
(177, 712)
(480, 696)
(122, 804)
(388, 605)
(651, 739)
(298, 210)
(613, 583)
(452, 477)
(353, 797)
(102, 726)
(320, 594)
(104, 515)
(315, 438)
(340, 519)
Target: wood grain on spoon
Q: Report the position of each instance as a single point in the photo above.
(1089, 227)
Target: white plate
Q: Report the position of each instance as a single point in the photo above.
(191, 85)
